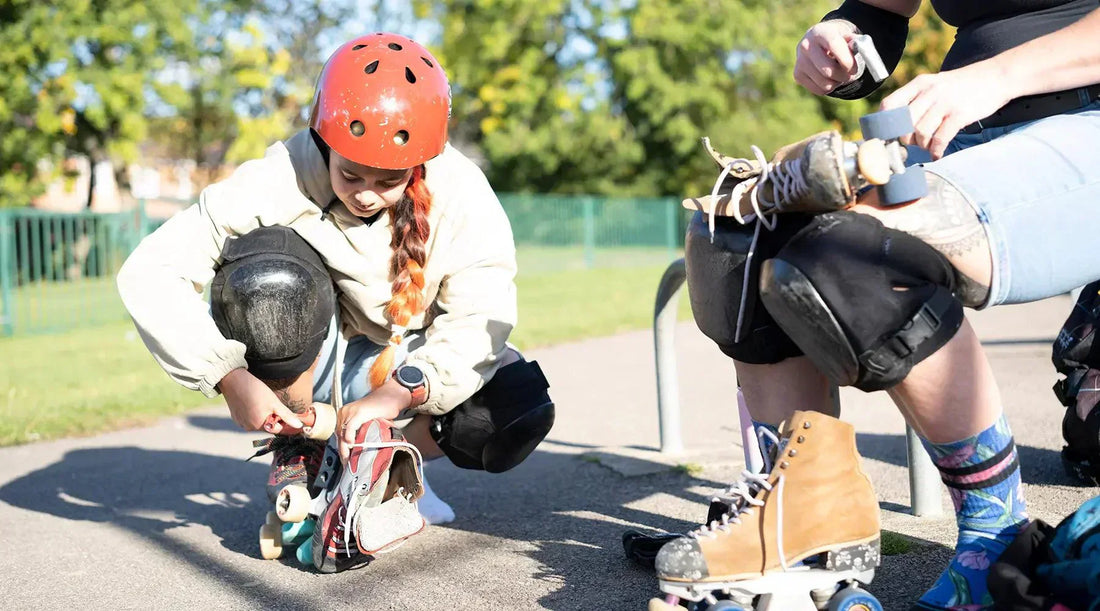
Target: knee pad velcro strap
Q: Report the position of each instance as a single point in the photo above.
(716, 283)
(863, 301)
(501, 424)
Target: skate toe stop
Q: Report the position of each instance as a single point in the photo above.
(681, 559)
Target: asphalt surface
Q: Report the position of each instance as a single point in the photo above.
(166, 517)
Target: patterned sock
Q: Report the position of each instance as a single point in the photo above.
(982, 474)
(766, 442)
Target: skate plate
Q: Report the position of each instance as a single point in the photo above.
(797, 589)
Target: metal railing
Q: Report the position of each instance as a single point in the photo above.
(924, 480)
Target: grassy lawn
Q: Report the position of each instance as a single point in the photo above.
(102, 378)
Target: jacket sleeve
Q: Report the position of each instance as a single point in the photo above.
(476, 311)
(162, 281)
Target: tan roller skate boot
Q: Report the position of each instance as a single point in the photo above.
(809, 525)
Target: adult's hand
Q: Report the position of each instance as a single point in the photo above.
(825, 59)
(942, 104)
(252, 404)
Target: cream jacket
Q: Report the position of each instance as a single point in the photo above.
(469, 274)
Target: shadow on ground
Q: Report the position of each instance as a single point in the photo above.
(570, 510)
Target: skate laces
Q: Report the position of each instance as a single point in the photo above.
(350, 520)
(786, 179)
(741, 499)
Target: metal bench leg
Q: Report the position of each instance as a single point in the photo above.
(664, 331)
(924, 478)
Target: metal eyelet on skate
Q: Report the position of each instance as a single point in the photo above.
(784, 464)
(792, 453)
(801, 439)
(806, 424)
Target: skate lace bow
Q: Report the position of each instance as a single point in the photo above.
(350, 519)
(740, 497)
(788, 182)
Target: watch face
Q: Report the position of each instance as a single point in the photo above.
(410, 376)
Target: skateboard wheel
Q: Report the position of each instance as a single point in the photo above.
(324, 422)
(905, 187)
(273, 519)
(874, 162)
(887, 124)
(292, 504)
(854, 599)
(271, 542)
(295, 533)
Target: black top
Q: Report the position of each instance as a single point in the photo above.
(986, 28)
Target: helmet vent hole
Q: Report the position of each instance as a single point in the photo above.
(371, 67)
(357, 47)
(401, 138)
(357, 128)
(394, 46)
(428, 61)
(409, 76)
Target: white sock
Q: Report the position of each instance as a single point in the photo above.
(434, 509)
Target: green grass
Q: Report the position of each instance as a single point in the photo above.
(895, 544)
(103, 378)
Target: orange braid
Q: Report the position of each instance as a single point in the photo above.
(410, 232)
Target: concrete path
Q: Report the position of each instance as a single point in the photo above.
(166, 517)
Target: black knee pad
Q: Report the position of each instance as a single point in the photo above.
(273, 293)
(716, 277)
(501, 424)
(863, 301)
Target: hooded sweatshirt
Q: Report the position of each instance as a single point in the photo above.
(469, 274)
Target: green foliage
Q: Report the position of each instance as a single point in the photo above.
(608, 97)
(103, 378)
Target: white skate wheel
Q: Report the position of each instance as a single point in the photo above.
(271, 542)
(292, 504)
(324, 422)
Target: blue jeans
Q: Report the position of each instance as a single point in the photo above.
(359, 355)
(1035, 187)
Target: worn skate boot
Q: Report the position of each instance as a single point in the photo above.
(371, 508)
(643, 547)
(815, 507)
(817, 174)
(294, 461)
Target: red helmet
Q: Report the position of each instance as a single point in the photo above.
(383, 101)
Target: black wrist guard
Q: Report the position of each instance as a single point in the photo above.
(889, 32)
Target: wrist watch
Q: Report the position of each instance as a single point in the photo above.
(415, 381)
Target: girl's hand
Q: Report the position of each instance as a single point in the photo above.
(385, 402)
(942, 104)
(253, 406)
(825, 60)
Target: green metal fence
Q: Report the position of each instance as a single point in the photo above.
(57, 271)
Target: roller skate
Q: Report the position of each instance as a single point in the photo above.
(822, 173)
(1081, 453)
(295, 463)
(801, 536)
(370, 508)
